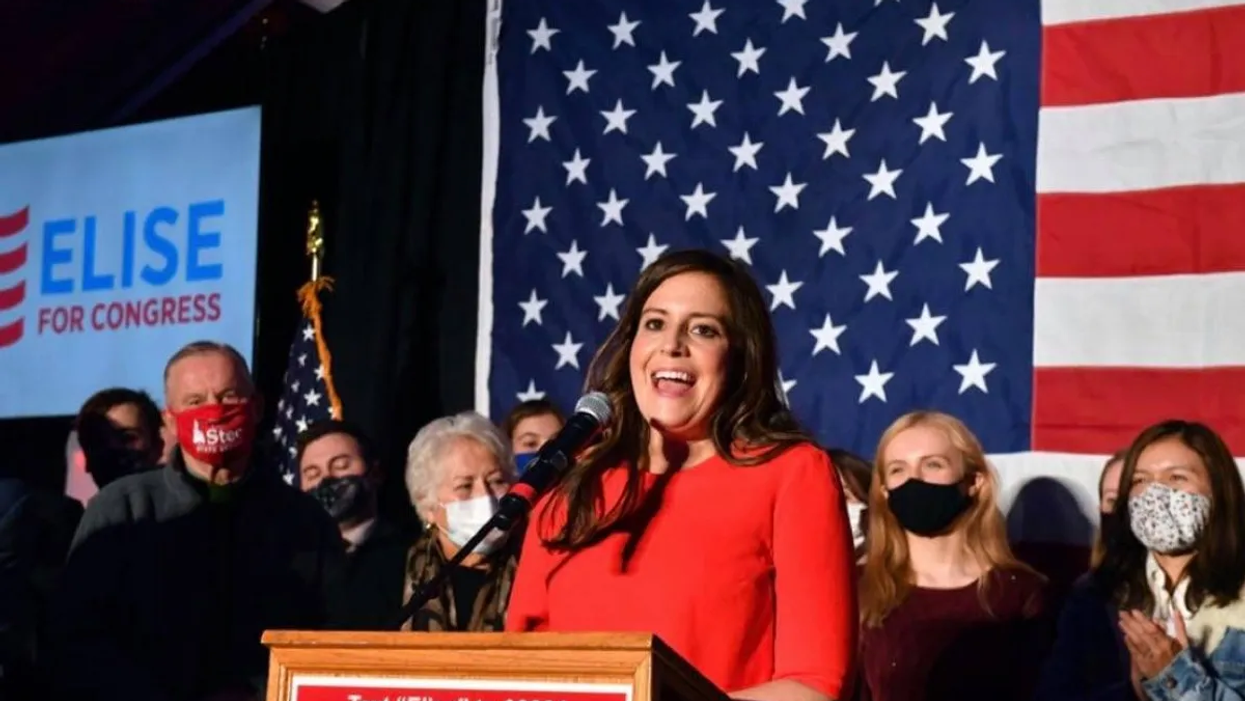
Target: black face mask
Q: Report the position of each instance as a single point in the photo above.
(110, 464)
(927, 509)
(345, 498)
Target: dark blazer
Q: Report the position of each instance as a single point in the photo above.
(368, 593)
(1088, 661)
(169, 585)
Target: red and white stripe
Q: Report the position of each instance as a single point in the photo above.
(1140, 295)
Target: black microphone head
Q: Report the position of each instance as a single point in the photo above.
(596, 405)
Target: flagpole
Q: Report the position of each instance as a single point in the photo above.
(309, 299)
(315, 239)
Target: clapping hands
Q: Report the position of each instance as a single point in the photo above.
(1149, 645)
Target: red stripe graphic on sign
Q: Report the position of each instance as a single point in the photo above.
(12, 260)
(15, 222)
(12, 333)
(13, 296)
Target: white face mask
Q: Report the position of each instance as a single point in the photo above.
(1168, 520)
(856, 516)
(464, 518)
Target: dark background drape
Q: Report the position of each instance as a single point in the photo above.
(72, 65)
(375, 110)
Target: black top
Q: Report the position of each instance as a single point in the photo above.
(466, 583)
(1088, 661)
(169, 585)
(369, 592)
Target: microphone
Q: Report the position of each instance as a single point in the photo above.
(592, 412)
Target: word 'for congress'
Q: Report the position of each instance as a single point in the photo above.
(164, 246)
(112, 316)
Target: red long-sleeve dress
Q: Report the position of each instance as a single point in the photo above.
(745, 571)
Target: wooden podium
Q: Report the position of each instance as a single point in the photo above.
(358, 666)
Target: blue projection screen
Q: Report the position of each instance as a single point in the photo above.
(119, 246)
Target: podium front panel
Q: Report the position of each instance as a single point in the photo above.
(307, 687)
(406, 666)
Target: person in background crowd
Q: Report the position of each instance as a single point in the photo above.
(119, 430)
(855, 474)
(529, 425)
(17, 601)
(338, 465)
(457, 468)
(1088, 651)
(704, 514)
(50, 517)
(168, 438)
(948, 613)
(175, 574)
(1108, 493)
(1165, 619)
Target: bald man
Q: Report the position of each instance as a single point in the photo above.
(175, 574)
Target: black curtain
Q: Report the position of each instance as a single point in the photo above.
(375, 110)
(72, 66)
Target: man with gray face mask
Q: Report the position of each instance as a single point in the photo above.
(338, 466)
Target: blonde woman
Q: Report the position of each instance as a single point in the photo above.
(947, 612)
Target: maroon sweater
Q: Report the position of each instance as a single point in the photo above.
(942, 645)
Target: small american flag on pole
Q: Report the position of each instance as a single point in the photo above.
(308, 394)
(1028, 213)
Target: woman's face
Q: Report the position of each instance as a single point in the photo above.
(1174, 464)
(531, 433)
(924, 453)
(1110, 487)
(467, 471)
(679, 355)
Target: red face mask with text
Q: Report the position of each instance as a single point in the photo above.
(214, 433)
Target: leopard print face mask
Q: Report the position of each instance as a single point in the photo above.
(1168, 520)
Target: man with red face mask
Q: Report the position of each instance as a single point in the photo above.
(175, 574)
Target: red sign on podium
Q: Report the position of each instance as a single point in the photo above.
(319, 688)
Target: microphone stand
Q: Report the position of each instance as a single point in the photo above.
(510, 511)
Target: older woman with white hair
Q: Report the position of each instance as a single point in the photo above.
(457, 468)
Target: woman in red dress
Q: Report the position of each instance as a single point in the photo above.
(704, 514)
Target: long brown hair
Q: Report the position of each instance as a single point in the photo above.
(1217, 571)
(856, 472)
(888, 577)
(750, 415)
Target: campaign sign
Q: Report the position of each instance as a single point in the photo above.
(119, 246)
(322, 688)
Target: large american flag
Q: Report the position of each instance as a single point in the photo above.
(1028, 214)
